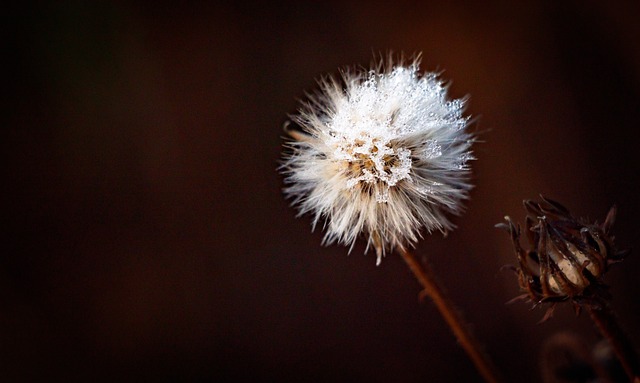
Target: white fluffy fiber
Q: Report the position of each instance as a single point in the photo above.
(383, 153)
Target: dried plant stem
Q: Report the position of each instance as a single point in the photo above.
(425, 276)
(604, 318)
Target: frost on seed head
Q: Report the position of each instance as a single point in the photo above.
(384, 155)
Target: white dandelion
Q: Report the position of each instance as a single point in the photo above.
(384, 154)
(381, 153)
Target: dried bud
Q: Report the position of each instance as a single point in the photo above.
(567, 258)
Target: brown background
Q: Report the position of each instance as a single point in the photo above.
(146, 235)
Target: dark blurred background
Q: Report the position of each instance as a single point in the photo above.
(145, 231)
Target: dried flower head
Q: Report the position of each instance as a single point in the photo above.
(381, 153)
(567, 258)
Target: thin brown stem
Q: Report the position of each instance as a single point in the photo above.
(604, 318)
(469, 343)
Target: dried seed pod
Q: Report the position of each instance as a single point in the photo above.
(567, 258)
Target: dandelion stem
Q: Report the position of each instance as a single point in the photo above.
(604, 318)
(469, 343)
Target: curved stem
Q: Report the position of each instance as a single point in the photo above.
(605, 320)
(469, 343)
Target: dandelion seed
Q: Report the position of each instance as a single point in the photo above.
(381, 153)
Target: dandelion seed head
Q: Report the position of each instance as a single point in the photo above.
(382, 153)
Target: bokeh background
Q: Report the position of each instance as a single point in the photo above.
(146, 236)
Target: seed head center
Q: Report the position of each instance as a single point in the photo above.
(373, 161)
